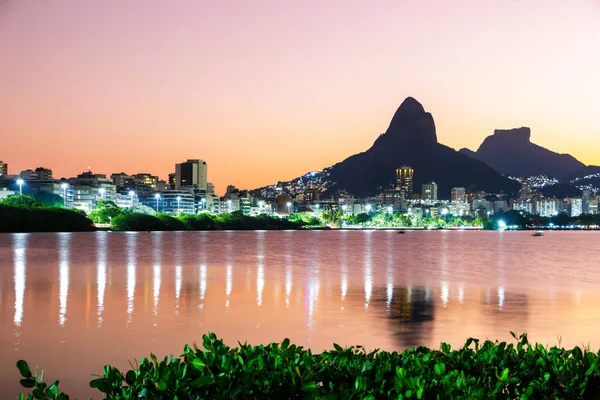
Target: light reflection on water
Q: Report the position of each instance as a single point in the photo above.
(157, 291)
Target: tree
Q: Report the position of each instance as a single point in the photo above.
(17, 200)
(105, 211)
(49, 199)
(362, 219)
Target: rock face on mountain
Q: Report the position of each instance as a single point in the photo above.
(511, 152)
(411, 140)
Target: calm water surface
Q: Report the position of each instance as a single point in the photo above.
(74, 302)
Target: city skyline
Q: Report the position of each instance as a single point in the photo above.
(203, 80)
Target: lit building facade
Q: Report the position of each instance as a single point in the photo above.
(43, 174)
(548, 207)
(458, 194)
(3, 169)
(404, 181)
(429, 192)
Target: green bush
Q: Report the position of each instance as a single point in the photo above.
(42, 219)
(283, 371)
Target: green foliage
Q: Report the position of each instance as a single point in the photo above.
(17, 200)
(283, 370)
(105, 211)
(362, 219)
(42, 219)
(49, 199)
(203, 221)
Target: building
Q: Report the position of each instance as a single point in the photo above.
(458, 194)
(3, 169)
(525, 204)
(482, 207)
(210, 189)
(121, 179)
(593, 206)
(176, 202)
(28, 175)
(4, 193)
(548, 207)
(585, 199)
(172, 181)
(192, 173)
(43, 174)
(404, 181)
(429, 192)
(575, 207)
(499, 206)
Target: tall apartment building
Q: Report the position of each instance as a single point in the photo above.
(458, 194)
(191, 173)
(585, 198)
(404, 181)
(43, 174)
(3, 168)
(429, 191)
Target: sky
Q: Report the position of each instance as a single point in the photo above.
(268, 90)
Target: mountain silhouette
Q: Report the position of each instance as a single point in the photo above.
(410, 140)
(511, 152)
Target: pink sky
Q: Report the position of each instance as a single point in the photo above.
(268, 90)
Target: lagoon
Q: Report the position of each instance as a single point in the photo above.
(72, 302)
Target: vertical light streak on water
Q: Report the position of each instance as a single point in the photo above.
(20, 277)
(100, 272)
(229, 269)
(260, 269)
(461, 294)
(63, 276)
(445, 290)
(202, 284)
(390, 272)
(178, 279)
(427, 294)
(313, 299)
(131, 273)
(344, 267)
(156, 272)
(501, 282)
(444, 293)
(409, 294)
(288, 268)
(368, 270)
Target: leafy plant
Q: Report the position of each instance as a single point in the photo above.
(283, 371)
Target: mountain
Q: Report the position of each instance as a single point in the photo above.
(510, 152)
(411, 140)
(585, 173)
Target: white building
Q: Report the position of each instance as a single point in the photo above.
(575, 207)
(548, 207)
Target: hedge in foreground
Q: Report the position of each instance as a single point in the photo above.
(283, 371)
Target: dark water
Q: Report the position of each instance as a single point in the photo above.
(74, 302)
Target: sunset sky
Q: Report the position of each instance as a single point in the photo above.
(268, 90)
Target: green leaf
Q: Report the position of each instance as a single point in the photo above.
(440, 368)
(198, 364)
(200, 382)
(285, 343)
(309, 387)
(504, 375)
(27, 383)
(24, 369)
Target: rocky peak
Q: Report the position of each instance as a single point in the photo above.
(522, 134)
(411, 125)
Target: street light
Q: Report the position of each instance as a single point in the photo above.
(390, 209)
(20, 182)
(444, 211)
(368, 208)
(102, 190)
(64, 188)
(131, 193)
(178, 203)
(203, 203)
(157, 197)
(288, 204)
(488, 214)
(344, 207)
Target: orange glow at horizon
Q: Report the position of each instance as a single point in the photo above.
(271, 90)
